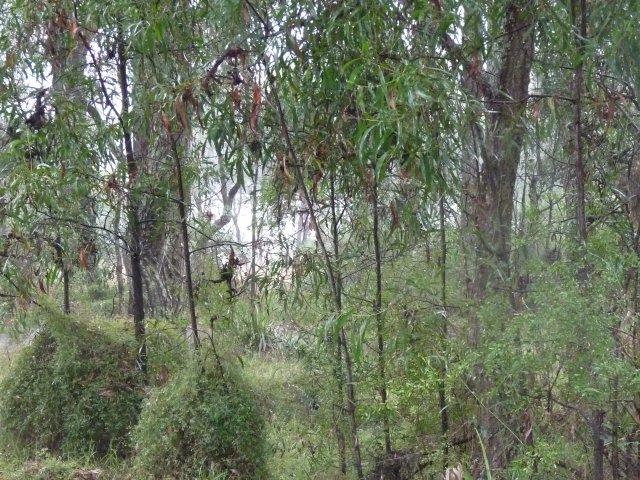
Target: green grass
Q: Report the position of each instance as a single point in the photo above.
(300, 437)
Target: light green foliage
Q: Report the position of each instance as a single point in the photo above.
(76, 390)
(296, 398)
(200, 426)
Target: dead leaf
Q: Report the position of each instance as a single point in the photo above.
(106, 393)
(166, 123)
(236, 98)
(187, 97)
(181, 111)
(395, 217)
(453, 473)
(245, 13)
(536, 110)
(391, 100)
(73, 27)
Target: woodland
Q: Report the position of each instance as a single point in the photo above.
(294, 239)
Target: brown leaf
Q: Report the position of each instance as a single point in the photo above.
(392, 100)
(166, 123)
(187, 97)
(474, 65)
(73, 27)
(236, 98)
(84, 259)
(245, 13)
(395, 217)
(316, 178)
(105, 393)
(61, 18)
(536, 110)
(181, 111)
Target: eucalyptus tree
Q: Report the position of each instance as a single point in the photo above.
(50, 165)
(353, 100)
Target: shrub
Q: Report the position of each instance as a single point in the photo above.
(200, 425)
(74, 391)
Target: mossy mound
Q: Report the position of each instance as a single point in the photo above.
(76, 390)
(200, 425)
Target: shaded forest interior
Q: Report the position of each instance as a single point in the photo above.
(319, 239)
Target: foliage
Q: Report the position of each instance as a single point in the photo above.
(200, 425)
(75, 391)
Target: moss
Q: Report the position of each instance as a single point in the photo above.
(200, 425)
(74, 391)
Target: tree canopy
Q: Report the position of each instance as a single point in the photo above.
(428, 207)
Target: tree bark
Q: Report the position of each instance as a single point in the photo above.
(444, 336)
(186, 253)
(379, 316)
(579, 15)
(491, 190)
(492, 208)
(137, 290)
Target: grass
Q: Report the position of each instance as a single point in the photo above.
(293, 394)
(299, 435)
(299, 431)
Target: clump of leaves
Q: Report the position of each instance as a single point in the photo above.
(202, 424)
(75, 390)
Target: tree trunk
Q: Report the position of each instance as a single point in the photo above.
(492, 208)
(335, 282)
(379, 316)
(119, 262)
(579, 15)
(492, 199)
(253, 283)
(444, 337)
(186, 253)
(137, 290)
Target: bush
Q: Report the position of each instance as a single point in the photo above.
(200, 425)
(74, 391)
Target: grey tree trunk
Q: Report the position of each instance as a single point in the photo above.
(490, 187)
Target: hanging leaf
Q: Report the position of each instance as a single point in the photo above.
(181, 111)
(245, 13)
(255, 107)
(336, 322)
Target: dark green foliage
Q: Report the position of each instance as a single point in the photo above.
(74, 391)
(200, 426)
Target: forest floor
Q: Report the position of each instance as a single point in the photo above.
(298, 424)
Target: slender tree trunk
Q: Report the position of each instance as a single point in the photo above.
(119, 263)
(377, 311)
(135, 246)
(334, 280)
(184, 230)
(338, 374)
(615, 425)
(579, 14)
(598, 444)
(66, 294)
(444, 336)
(66, 300)
(253, 284)
(66, 63)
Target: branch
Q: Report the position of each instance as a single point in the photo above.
(231, 52)
(480, 78)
